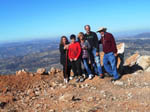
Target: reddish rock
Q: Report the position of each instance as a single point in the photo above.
(120, 48)
(66, 97)
(144, 62)
(132, 59)
(58, 70)
(41, 71)
(52, 71)
(4, 90)
(148, 69)
(21, 72)
(6, 98)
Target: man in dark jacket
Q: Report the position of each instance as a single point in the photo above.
(109, 47)
(92, 38)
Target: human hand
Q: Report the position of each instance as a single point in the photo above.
(75, 59)
(97, 54)
(66, 47)
(115, 54)
(84, 47)
(71, 60)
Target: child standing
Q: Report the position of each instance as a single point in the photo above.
(74, 53)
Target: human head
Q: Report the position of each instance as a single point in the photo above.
(72, 38)
(63, 40)
(81, 36)
(87, 28)
(102, 30)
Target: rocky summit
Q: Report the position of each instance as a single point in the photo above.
(44, 91)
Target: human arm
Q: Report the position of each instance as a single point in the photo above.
(114, 47)
(96, 42)
(79, 51)
(69, 54)
(61, 49)
(88, 45)
(100, 41)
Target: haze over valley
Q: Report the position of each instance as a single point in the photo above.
(44, 53)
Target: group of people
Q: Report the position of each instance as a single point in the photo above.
(84, 50)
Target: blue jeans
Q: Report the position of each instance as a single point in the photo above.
(97, 66)
(111, 66)
(85, 63)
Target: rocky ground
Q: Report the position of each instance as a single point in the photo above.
(27, 92)
(46, 92)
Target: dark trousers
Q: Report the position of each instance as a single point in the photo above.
(76, 67)
(66, 71)
(121, 56)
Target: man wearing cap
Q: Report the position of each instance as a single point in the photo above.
(92, 38)
(109, 48)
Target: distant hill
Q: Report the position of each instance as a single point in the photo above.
(29, 55)
(129, 35)
(14, 49)
(143, 35)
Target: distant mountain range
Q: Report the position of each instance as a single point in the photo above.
(29, 55)
(14, 49)
(143, 35)
(139, 36)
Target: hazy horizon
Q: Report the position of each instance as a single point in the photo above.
(117, 35)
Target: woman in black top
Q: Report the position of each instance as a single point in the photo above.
(63, 48)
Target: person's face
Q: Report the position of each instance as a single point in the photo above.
(102, 33)
(81, 37)
(87, 29)
(72, 40)
(64, 40)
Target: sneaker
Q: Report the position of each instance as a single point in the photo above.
(84, 75)
(66, 81)
(71, 77)
(101, 76)
(91, 76)
(82, 79)
(77, 79)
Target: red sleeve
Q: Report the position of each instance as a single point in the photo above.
(114, 45)
(79, 50)
(69, 53)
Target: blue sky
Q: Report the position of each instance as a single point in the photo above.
(33, 19)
